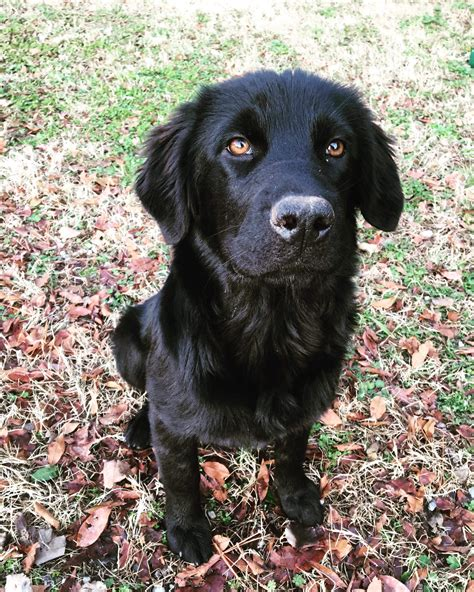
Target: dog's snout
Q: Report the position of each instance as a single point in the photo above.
(294, 215)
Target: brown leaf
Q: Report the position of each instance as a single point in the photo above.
(452, 275)
(426, 477)
(66, 232)
(410, 344)
(46, 515)
(429, 428)
(30, 557)
(375, 585)
(378, 407)
(348, 446)
(385, 303)
(392, 585)
(221, 542)
(381, 522)
(80, 442)
(114, 471)
(114, 414)
(217, 471)
(453, 316)
(255, 564)
(328, 574)
(466, 431)
(330, 418)
(69, 427)
(420, 356)
(341, 547)
(443, 301)
(18, 374)
(56, 449)
(414, 504)
(93, 526)
(196, 571)
(448, 332)
(263, 481)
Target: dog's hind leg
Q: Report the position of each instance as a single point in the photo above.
(130, 354)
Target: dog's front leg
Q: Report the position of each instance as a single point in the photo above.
(187, 529)
(299, 496)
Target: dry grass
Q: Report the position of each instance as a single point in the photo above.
(84, 81)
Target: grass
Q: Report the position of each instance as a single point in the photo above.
(82, 85)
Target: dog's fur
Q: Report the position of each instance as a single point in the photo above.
(244, 344)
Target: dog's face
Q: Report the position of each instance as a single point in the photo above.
(268, 170)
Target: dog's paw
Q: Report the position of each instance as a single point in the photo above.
(302, 503)
(190, 540)
(137, 434)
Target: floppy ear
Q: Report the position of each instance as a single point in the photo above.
(162, 184)
(380, 196)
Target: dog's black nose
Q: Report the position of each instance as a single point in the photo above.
(294, 215)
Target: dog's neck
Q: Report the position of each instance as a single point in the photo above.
(256, 322)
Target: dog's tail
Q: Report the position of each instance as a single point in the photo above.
(129, 349)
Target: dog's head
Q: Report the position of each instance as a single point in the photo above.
(268, 170)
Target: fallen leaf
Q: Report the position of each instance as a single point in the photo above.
(381, 522)
(67, 232)
(330, 418)
(221, 542)
(392, 585)
(375, 585)
(426, 477)
(452, 275)
(30, 557)
(429, 428)
(56, 449)
(93, 525)
(51, 546)
(114, 414)
(341, 547)
(443, 301)
(263, 481)
(114, 471)
(419, 357)
(217, 471)
(255, 564)
(385, 303)
(414, 504)
(46, 515)
(453, 316)
(329, 575)
(369, 247)
(196, 571)
(69, 427)
(45, 473)
(378, 407)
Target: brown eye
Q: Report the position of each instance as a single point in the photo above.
(335, 148)
(239, 147)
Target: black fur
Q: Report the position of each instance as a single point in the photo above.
(244, 344)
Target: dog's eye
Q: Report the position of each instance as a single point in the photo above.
(335, 148)
(239, 146)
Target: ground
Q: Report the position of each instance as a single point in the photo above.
(83, 82)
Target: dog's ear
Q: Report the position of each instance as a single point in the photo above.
(380, 192)
(163, 183)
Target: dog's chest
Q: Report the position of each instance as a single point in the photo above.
(266, 337)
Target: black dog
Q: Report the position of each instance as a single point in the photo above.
(256, 184)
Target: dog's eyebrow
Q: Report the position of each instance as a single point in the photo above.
(326, 127)
(249, 122)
